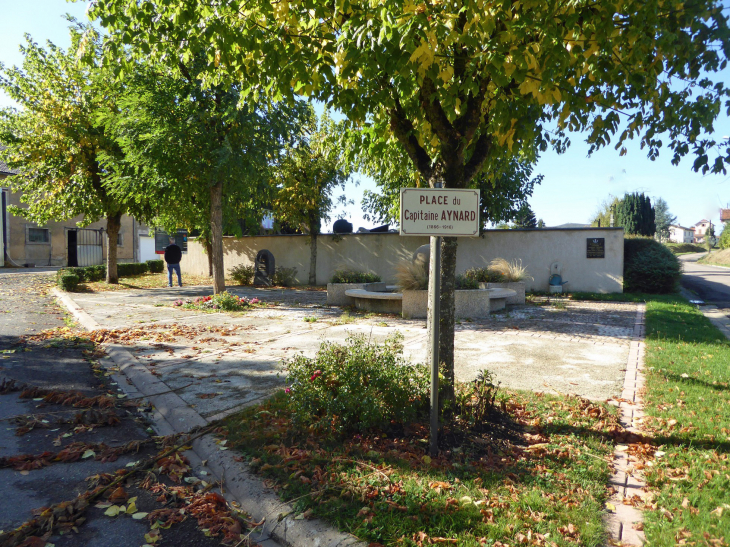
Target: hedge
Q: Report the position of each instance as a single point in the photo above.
(649, 266)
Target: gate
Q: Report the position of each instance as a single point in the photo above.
(85, 247)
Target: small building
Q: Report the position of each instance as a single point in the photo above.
(680, 234)
(25, 243)
(724, 215)
(701, 229)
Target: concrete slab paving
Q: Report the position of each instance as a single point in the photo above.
(573, 347)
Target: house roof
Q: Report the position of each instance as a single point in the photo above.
(701, 221)
(4, 169)
(724, 215)
(681, 227)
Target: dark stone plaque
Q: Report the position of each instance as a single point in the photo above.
(596, 247)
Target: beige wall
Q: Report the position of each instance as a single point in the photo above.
(380, 253)
(22, 252)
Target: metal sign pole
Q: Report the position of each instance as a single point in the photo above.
(434, 289)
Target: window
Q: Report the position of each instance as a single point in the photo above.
(120, 240)
(37, 235)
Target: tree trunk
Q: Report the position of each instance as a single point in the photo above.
(113, 225)
(209, 252)
(448, 309)
(313, 258)
(216, 236)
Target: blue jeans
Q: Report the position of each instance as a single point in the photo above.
(173, 268)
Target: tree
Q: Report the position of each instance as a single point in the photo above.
(306, 176)
(663, 218)
(710, 238)
(56, 142)
(725, 236)
(541, 223)
(525, 218)
(503, 191)
(458, 84)
(202, 159)
(604, 215)
(635, 214)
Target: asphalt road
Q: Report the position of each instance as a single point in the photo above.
(710, 283)
(61, 365)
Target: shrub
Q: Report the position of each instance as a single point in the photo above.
(649, 266)
(95, 273)
(475, 400)
(224, 301)
(243, 275)
(356, 386)
(68, 281)
(353, 276)
(284, 277)
(155, 266)
(411, 276)
(511, 271)
(484, 275)
(129, 269)
(724, 240)
(466, 283)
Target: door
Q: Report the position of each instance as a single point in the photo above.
(73, 255)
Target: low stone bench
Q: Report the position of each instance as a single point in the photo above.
(474, 304)
(498, 298)
(376, 301)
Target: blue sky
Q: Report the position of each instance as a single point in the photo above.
(574, 185)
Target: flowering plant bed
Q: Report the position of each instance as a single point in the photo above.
(224, 301)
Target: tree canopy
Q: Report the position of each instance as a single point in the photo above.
(635, 214)
(663, 218)
(305, 179)
(458, 84)
(55, 140)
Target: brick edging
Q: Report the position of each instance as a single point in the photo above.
(622, 523)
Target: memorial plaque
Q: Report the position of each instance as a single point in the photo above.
(163, 239)
(596, 247)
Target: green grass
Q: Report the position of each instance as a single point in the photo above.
(383, 488)
(688, 407)
(685, 248)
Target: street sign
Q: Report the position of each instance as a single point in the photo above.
(439, 212)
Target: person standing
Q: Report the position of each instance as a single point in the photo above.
(173, 255)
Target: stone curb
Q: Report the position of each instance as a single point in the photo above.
(173, 415)
(622, 523)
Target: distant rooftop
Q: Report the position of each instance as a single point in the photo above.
(724, 215)
(571, 225)
(4, 169)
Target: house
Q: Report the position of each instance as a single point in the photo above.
(25, 243)
(680, 234)
(701, 229)
(724, 215)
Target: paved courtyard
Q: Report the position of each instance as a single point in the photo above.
(219, 362)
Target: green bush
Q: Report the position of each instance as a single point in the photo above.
(356, 386)
(155, 266)
(284, 277)
(68, 282)
(649, 266)
(354, 276)
(677, 248)
(129, 269)
(466, 283)
(475, 400)
(724, 241)
(243, 275)
(484, 275)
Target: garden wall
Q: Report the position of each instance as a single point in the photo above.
(380, 253)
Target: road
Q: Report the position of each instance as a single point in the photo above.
(66, 365)
(711, 283)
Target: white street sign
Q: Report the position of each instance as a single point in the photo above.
(439, 212)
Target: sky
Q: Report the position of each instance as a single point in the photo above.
(574, 185)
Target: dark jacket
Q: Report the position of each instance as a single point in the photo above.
(173, 254)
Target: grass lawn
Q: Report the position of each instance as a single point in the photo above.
(543, 484)
(688, 403)
(718, 258)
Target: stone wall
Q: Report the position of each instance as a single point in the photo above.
(380, 253)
